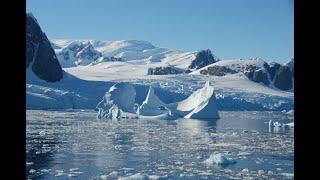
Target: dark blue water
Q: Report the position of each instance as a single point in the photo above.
(73, 144)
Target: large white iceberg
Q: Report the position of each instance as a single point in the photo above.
(120, 101)
(152, 105)
(200, 104)
(120, 98)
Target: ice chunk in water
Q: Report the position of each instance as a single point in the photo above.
(219, 159)
(137, 176)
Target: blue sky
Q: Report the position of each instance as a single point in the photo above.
(230, 28)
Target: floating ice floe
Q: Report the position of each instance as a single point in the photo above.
(121, 102)
(276, 126)
(219, 159)
(291, 112)
(137, 176)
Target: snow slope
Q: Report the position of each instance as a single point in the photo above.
(235, 64)
(69, 92)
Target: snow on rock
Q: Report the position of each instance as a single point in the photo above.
(219, 159)
(200, 104)
(77, 53)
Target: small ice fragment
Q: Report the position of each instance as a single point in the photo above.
(154, 177)
(270, 124)
(246, 170)
(277, 124)
(113, 174)
(29, 163)
(219, 159)
(72, 175)
(261, 172)
(42, 133)
(290, 124)
(104, 177)
(291, 112)
(279, 169)
(290, 175)
(137, 176)
(32, 171)
(60, 174)
(73, 169)
(45, 170)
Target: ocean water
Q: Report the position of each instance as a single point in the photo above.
(74, 144)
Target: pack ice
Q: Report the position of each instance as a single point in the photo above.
(122, 101)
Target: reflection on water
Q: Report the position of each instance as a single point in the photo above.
(63, 144)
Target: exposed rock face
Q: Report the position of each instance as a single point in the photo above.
(87, 55)
(257, 74)
(164, 71)
(78, 53)
(272, 68)
(283, 78)
(217, 71)
(203, 59)
(290, 64)
(280, 75)
(40, 55)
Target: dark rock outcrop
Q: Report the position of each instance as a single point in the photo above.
(280, 75)
(164, 70)
(256, 74)
(283, 78)
(290, 64)
(217, 71)
(272, 69)
(40, 55)
(203, 58)
(106, 59)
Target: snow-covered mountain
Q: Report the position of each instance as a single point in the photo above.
(77, 53)
(127, 50)
(90, 67)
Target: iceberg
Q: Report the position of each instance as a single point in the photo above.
(152, 105)
(121, 100)
(201, 104)
(120, 97)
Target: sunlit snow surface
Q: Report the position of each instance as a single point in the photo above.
(64, 144)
